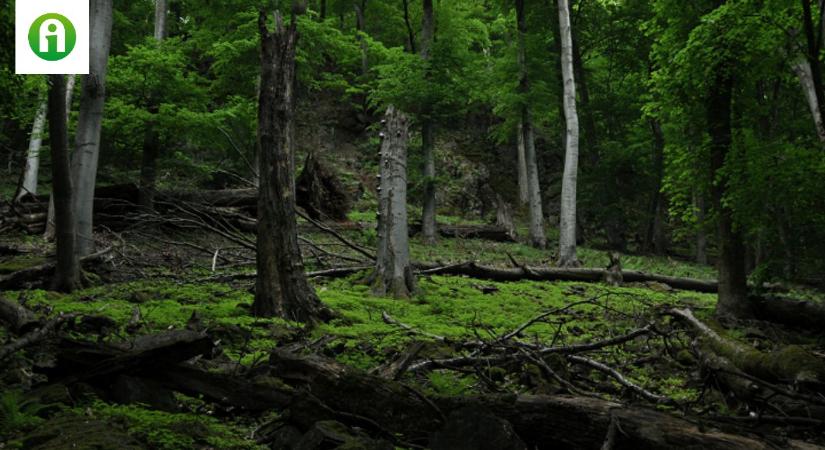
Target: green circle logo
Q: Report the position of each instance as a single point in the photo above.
(52, 37)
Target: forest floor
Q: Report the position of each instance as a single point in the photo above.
(174, 281)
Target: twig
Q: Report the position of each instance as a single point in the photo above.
(621, 379)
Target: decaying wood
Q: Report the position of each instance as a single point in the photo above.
(16, 318)
(790, 364)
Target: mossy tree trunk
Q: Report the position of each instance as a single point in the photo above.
(281, 287)
(393, 272)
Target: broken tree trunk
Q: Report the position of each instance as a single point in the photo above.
(319, 191)
(281, 288)
(393, 272)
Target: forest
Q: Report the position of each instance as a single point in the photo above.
(417, 224)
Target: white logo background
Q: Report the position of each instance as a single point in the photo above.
(26, 12)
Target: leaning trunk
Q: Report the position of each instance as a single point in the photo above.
(733, 299)
(87, 140)
(393, 272)
(803, 71)
(567, 228)
(536, 229)
(67, 273)
(281, 287)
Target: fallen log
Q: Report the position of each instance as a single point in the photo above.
(473, 270)
(487, 232)
(543, 422)
(791, 364)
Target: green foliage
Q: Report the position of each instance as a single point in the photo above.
(176, 431)
(17, 414)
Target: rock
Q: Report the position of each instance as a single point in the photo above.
(476, 429)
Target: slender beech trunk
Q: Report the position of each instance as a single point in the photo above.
(701, 234)
(161, 7)
(536, 228)
(521, 161)
(151, 139)
(70, 84)
(87, 139)
(393, 273)
(428, 225)
(360, 25)
(281, 287)
(31, 172)
(410, 31)
(567, 228)
(803, 71)
(656, 229)
(733, 300)
(67, 273)
(813, 37)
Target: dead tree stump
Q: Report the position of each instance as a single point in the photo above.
(319, 191)
(393, 272)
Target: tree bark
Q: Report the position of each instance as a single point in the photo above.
(87, 139)
(410, 31)
(567, 227)
(428, 219)
(814, 46)
(393, 272)
(803, 71)
(161, 8)
(656, 240)
(29, 185)
(48, 234)
(151, 140)
(732, 277)
(67, 273)
(536, 228)
(281, 287)
(521, 161)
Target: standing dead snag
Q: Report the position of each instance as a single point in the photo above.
(393, 273)
(281, 287)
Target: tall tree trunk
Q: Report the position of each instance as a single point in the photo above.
(87, 139)
(30, 173)
(410, 31)
(803, 71)
(393, 272)
(360, 25)
(67, 272)
(733, 300)
(281, 287)
(656, 240)
(521, 161)
(48, 234)
(567, 228)
(151, 140)
(591, 134)
(536, 228)
(812, 55)
(428, 223)
(161, 7)
(701, 234)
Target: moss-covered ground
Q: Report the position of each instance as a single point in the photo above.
(458, 308)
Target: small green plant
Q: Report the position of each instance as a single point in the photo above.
(18, 414)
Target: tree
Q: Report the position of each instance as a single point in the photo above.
(428, 216)
(32, 168)
(281, 287)
(393, 272)
(567, 228)
(536, 229)
(151, 140)
(87, 139)
(67, 273)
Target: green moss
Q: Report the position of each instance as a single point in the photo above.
(19, 263)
